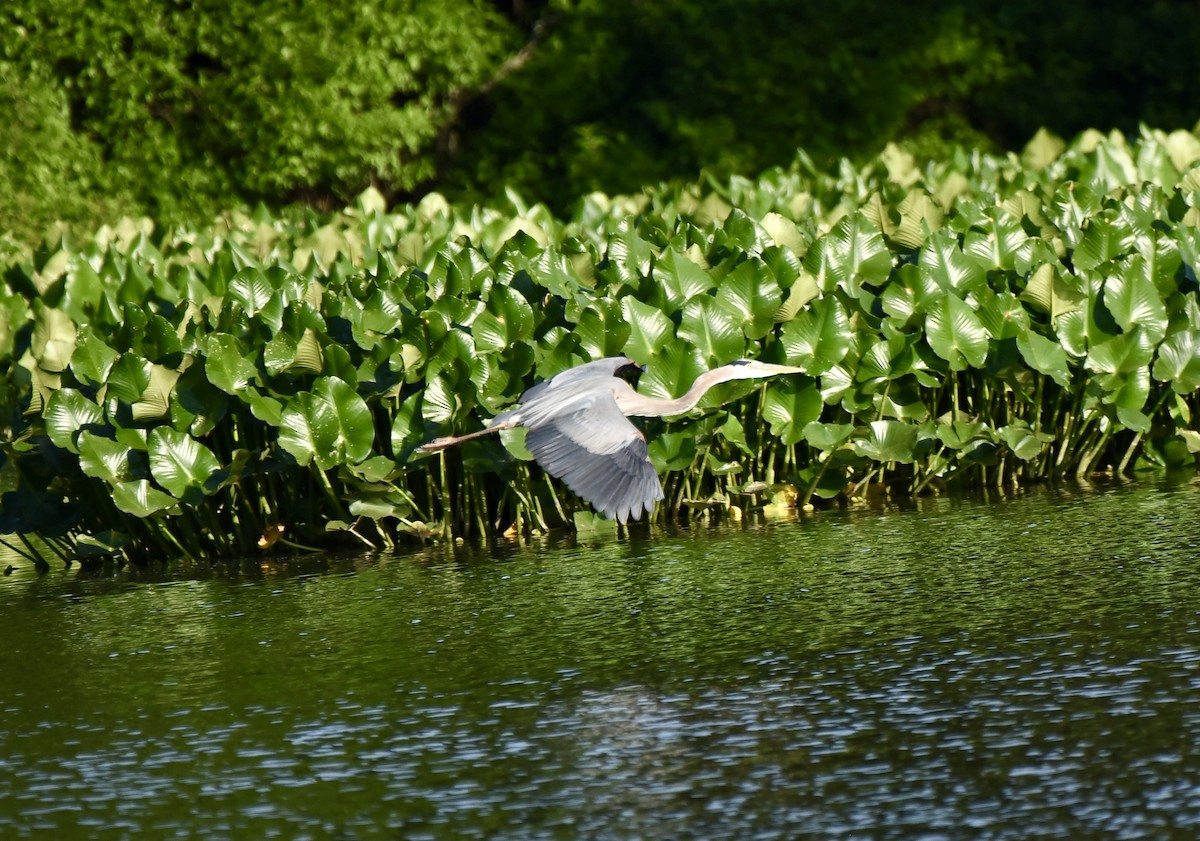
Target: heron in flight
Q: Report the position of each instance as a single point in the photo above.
(579, 432)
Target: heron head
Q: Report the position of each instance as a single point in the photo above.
(630, 372)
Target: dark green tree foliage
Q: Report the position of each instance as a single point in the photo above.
(178, 109)
(1082, 64)
(47, 171)
(626, 93)
(181, 109)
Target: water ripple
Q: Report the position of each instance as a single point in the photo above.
(1017, 670)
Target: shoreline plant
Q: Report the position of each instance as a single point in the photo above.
(976, 322)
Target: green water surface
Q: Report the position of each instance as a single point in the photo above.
(1027, 668)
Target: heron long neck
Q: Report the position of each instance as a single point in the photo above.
(651, 407)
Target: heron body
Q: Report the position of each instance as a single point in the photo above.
(579, 432)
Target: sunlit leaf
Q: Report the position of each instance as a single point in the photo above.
(280, 353)
(53, 340)
(629, 254)
(819, 337)
(910, 293)
(919, 215)
(205, 402)
(380, 508)
(1102, 241)
(887, 441)
(649, 329)
(67, 412)
(672, 450)
(267, 409)
(680, 279)
(828, 436)
(182, 465)
(160, 343)
(251, 289)
(102, 545)
(1024, 444)
(790, 404)
(1002, 314)
(784, 232)
(1129, 391)
(750, 294)
(309, 430)
(803, 290)
(958, 434)
(227, 364)
(1111, 165)
(129, 377)
(956, 334)
(508, 319)
(943, 262)
(1121, 354)
(591, 523)
(1043, 149)
(355, 426)
(141, 499)
(1178, 361)
(853, 252)
(741, 232)
(93, 358)
(602, 330)
(994, 245)
(441, 404)
(1052, 293)
(671, 373)
(712, 330)
(373, 470)
(408, 426)
(733, 432)
(156, 397)
(103, 458)
(1133, 300)
(1045, 356)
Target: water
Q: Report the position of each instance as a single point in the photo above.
(1027, 668)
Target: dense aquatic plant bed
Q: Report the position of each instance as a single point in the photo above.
(267, 380)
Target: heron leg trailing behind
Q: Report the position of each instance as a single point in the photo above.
(445, 441)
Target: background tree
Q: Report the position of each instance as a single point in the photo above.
(627, 92)
(178, 109)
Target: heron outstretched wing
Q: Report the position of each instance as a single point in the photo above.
(600, 455)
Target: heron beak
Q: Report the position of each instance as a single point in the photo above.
(772, 368)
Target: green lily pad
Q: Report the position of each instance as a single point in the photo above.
(182, 465)
(956, 334)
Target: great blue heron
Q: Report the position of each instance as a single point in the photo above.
(578, 430)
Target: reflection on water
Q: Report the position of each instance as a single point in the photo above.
(1015, 670)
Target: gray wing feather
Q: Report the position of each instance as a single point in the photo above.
(602, 368)
(600, 456)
